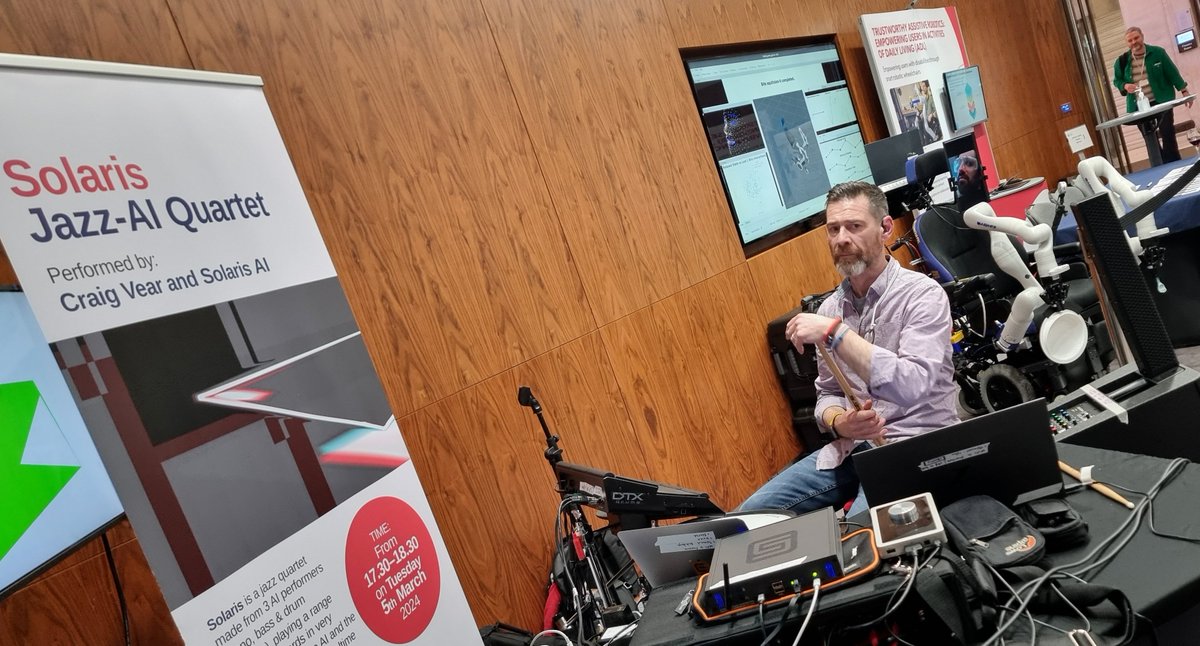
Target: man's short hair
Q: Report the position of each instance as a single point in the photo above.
(850, 190)
(1133, 29)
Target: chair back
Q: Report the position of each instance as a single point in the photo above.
(925, 167)
(957, 251)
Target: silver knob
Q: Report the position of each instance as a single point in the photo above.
(903, 513)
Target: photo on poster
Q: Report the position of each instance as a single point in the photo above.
(916, 109)
(791, 141)
(260, 414)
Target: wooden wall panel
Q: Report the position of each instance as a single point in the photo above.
(150, 619)
(78, 591)
(404, 133)
(481, 458)
(1015, 81)
(1026, 84)
(791, 271)
(106, 30)
(1063, 76)
(1036, 150)
(698, 23)
(700, 388)
(609, 110)
(7, 275)
(75, 601)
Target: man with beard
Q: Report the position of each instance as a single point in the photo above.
(969, 183)
(1148, 67)
(891, 328)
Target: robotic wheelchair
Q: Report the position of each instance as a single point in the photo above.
(1018, 333)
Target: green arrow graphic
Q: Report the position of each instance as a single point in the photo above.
(25, 489)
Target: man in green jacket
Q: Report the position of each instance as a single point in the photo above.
(1149, 68)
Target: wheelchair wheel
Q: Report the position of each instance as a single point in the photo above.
(971, 402)
(1002, 386)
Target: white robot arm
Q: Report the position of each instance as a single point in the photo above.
(982, 217)
(1095, 168)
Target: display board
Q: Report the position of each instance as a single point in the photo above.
(172, 261)
(910, 52)
(54, 492)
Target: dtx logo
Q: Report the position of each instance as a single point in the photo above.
(628, 497)
(765, 548)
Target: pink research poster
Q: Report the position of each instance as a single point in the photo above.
(172, 262)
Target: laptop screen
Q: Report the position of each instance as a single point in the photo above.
(1009, 455)
(887, 157)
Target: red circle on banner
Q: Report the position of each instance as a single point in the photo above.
(392, 570)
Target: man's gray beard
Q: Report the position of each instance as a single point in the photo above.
(851, 268)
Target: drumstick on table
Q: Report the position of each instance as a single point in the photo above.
(845, 384)
(1100, 488)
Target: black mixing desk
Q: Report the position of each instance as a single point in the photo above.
(1126, 412)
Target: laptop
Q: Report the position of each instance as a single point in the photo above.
(1009, 455)
(887, 157)
(670, 553)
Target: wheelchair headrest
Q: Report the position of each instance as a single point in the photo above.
(927, 166)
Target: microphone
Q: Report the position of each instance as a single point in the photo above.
(525, 398)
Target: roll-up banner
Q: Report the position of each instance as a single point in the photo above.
(171, 259)
(909, 52)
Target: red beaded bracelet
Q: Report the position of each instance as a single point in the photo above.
(832, 328)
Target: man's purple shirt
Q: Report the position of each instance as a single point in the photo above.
(912, 373)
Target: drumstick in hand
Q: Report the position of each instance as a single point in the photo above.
(845, 385)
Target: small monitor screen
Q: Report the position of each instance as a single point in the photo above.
(965, 95)
(1186, 40)
(966, 171)
(56, 493)
(782, 129)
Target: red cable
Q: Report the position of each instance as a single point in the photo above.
(553, 599)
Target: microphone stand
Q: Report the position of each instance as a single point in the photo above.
(579, 525)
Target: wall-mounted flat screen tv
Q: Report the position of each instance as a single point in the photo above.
(782, 128)
(55, 493)
(964, 92)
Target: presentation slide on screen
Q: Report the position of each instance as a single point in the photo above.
(783, 131)
(215, 361)
(53, 489)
